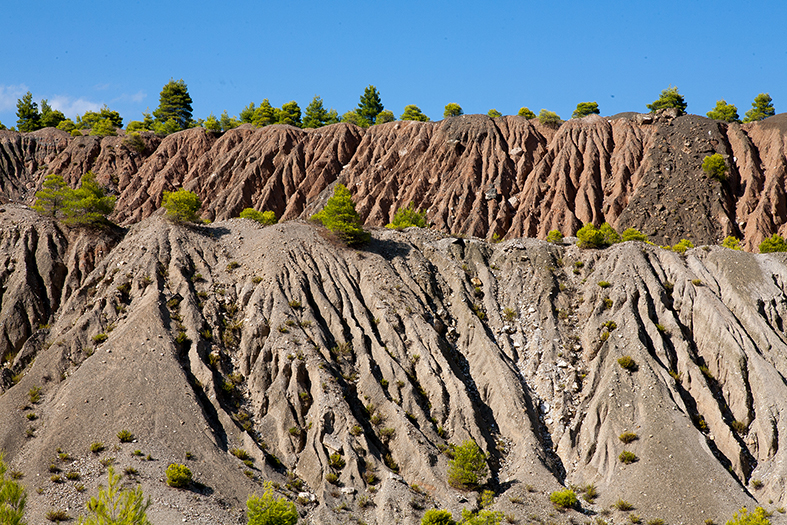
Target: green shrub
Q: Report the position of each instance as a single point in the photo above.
(453, 109)
(632, 234)
(340, 217)
(774, 243)
(178, 475)
(96, 447)
(590, 237)
(468, 467)
(266, 218)
(437, 517)
(744, 517)
(56, 516)
(604, 284)
(34, 394)
(627, 363)
(724, 112)
(493, 113)
(240, 453)
(762, 108)
(564, 499)
(732, 243)
(181, 205)
(89, 204)
(682, 246)
(406, 217)
(336, 461)
(332, 478)
(13, 495)
(628, 437)
(627, 457)
(125, 436)
(555, 237)
(715, 167)
(270, 510)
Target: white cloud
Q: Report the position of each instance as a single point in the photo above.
(10, 94)
(139, 96)
(71, 108)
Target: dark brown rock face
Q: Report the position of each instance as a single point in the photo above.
(472, 174)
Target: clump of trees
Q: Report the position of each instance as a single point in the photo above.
(670, 98)
(181, 205)
(87, 205)
(340, 217)
(584, 109)
(591, 237)
(29, 118)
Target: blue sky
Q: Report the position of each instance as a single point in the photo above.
(481, 55)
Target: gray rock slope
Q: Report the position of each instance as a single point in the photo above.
(284, 343)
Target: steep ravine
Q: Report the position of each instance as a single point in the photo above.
(286, 344)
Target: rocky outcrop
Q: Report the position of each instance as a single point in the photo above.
(280, 342)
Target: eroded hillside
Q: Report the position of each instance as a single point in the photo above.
(474, 175)
(281, 342)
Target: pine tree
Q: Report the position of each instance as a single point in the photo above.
(290, 113)
(116, 506)
(413, 112)
(89, 204)
(725, 112)
(453, 109)
(50, 118)
(316, 115)
(227, 123)
(340, 217)
(28, 118)
(493, 113)
(174, 104)
(762, 108)
(52, 196)
(247, 114)
(525, 112)
(13, 498)
(370, 105)
(385, 116)
(270, 510)
(584, 109)
(265, 115)
(670, 98)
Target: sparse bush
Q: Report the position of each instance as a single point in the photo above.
(178, 475)
(125, 436)
(740, 427)
(715, 166)
(336, 461)
(555, 237)
(332, 478)
(266, 218)
(564, 499)
(628, 437)
(99, 338)
(240, 453)
(96, 447)
(623, 505)
(34, 395)
(468, 466)
(627, 457)
(509, 314)
(626, 362)
(604, 284)
(181, 205)
(270, 510)
(757, 484)
(590, 493)
(56, 516)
